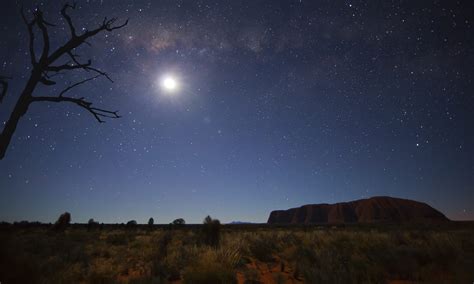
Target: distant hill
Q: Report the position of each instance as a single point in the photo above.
(239, 223)
(380, 209)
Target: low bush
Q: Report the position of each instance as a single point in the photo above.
(211, 231)
(119, 239)
(262, 249)
(62, 222)
(209, 273)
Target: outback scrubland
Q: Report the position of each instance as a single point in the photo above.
(215, 253)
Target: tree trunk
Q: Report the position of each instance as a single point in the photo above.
(20, 109)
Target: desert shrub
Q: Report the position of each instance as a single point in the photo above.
(164, 266)
(178, 222)
(287, 239)
(211, 231)
(159, 253)
(251, 276)
(163, 243)
(189, 238)
(102, 271)
(147, 280)
(399, 238)
(91, 224)
(101, 250)
(361, 270)
(305, 260)
(18, 267)
(151, 222)
(262, 249)
(208, 264)
(119, 239)
(177, 258)
(24, 224)
(169, 257)
(68, 273)
(96, 277)
(79, 236)
(403, 262)
(209, 273)
(229, 256)
(62, 222)
(330, 262)
(279, 278)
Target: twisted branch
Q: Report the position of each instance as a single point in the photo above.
(31, 36)
(96, 112)
(68, 18)
(77, 84)
(4, 85)
(41, 23)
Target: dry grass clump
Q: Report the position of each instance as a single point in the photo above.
(262, 248)
(212, 266)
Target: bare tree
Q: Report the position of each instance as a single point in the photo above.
(45, 68)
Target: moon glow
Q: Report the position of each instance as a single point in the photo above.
(169, 83)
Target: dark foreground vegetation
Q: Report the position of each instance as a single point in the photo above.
(215, 253)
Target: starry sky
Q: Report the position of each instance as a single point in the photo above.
(278, 104)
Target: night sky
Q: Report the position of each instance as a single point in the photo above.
(277, 104)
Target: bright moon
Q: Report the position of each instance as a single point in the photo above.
(169, 83)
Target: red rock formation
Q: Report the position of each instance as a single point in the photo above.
(372, 210)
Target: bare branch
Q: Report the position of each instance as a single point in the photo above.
(77, 84)
(68, 18)
(87, 67)
(102, 73)
(59, 73)
(41, 23)
(31, 35)
(107, 25)
(98, 113)
(47, 82)
(4, 85)
(68, 66)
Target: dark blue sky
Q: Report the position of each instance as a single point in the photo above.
(280, 104)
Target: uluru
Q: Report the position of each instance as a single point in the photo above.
(379, 209)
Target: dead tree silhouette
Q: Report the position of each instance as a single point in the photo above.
(44, 70)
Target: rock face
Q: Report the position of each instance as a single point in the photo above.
(372, 210)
